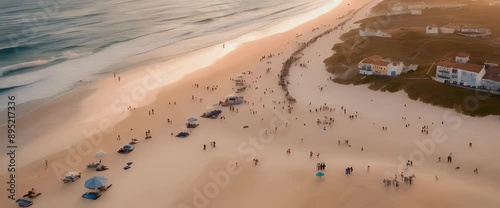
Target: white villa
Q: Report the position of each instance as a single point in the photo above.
(377, 65)
(460, 72)
(432, 29)
(463, 30)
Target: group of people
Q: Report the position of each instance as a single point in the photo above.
(348, 170)
(321, 166)
(389, 182)
(409, 163)
(212, 144)
(425, 129)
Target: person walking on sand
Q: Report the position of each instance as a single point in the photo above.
(310, 155)
(350, 170)
(46, 164)
(317, 156)
(204, 147)
(214, 143)
(449, 158)
(255, 161)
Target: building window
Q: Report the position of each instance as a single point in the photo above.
(454, 71)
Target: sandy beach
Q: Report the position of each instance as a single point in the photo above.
(168, 171)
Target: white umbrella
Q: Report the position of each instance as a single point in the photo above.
(101, 154)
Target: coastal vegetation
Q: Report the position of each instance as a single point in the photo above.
(410, 43)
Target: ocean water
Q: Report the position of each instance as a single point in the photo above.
(48, 46)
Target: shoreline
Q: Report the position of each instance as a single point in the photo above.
(148, 58)
(190, 172)
(144, 72)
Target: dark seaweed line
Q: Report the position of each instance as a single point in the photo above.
(297, 55)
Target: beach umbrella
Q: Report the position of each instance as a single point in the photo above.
(95, 182)
(101, 154)
(320, 174)
(192, 119)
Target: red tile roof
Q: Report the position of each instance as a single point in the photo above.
(469, 67)
(476, 68)
(494, 69)
(380, 63)
(447, 64)
(371, 59)
(492, 76)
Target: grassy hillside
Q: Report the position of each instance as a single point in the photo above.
(410, 44)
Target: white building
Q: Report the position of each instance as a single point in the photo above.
(459, 72)
(395, 68)
(377, 65)
(474, 32)
(432, 29)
